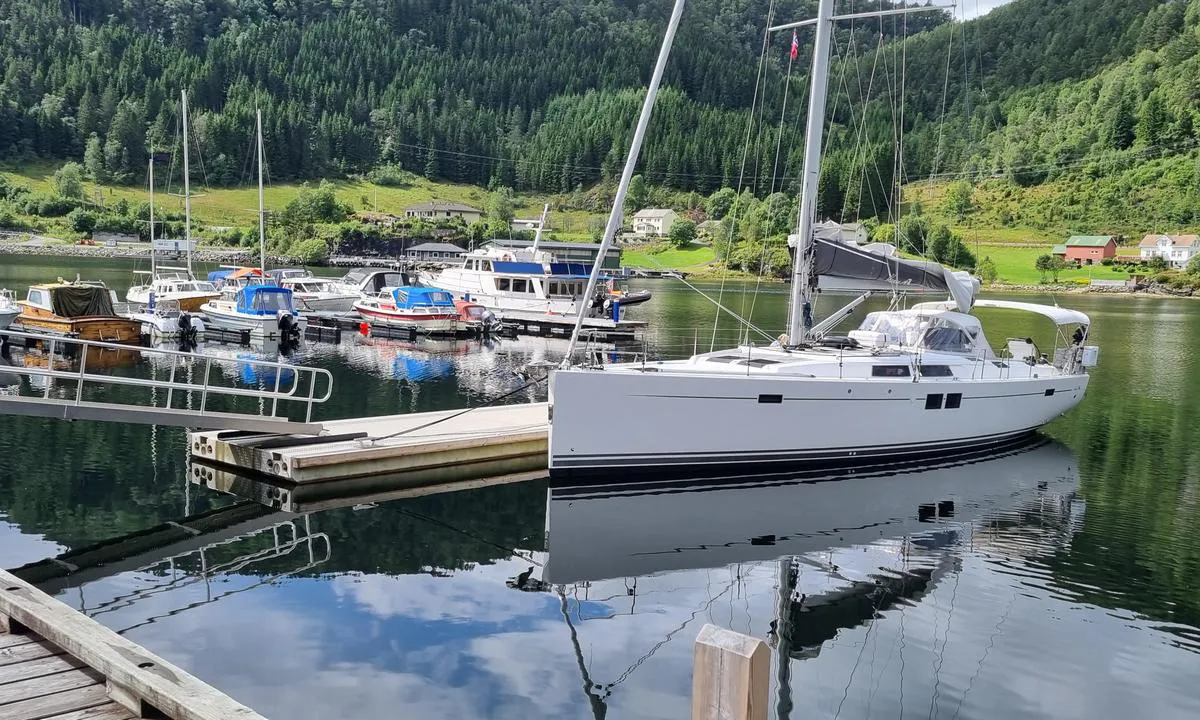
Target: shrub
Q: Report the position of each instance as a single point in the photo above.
(310, 251)
(1108, 262)
(46, 205)
(391, 176)
(81, 221)
(1162, 277)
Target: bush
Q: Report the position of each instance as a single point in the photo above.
(68, 181)
(1163, 277)
(310, 251)
(124, 224)
(682, 233)
(46, 205)
(1108, 262)
(391, 176)
(82, 221)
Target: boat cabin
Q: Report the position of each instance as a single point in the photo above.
(264, 300)
(312, 285)
(938, 331)
(422, 299)
(372, 281)
(72, 300)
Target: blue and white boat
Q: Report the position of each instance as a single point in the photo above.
(427, 310)
(262, 309)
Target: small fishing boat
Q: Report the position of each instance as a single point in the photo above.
(426, 310)
(627, 297)
(9, 309)
(314, 294)
(475, 318)
(264, 310)
(77, 309)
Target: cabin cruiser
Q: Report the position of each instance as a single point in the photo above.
(78, 309)
(176, 285)
(526, 283)
(425, 310)
(368, 281)
(9, 309)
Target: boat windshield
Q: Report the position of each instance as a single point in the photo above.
(272, 302)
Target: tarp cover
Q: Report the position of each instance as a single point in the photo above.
(81, 301)
(835, 259)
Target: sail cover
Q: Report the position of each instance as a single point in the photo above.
(836, 259)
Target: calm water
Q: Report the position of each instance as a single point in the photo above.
(1058, 581)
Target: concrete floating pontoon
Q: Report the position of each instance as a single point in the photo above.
(415, 448)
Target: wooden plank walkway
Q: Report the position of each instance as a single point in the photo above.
(416, 448)
(57, 664)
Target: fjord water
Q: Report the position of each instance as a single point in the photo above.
(1063, 581)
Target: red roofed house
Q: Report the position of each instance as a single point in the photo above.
(1175, 249)
(1090, 249)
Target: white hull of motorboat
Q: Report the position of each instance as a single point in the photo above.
(421, 322)
(333, 303)
(191, 301)
(160, 327)
(696, 421)
(224, 315)
(7, 317)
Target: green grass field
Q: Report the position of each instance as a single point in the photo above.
(692, 259)
(1015, 265)
(236, 207)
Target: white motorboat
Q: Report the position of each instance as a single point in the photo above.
(177, 285)
(369, 281)
(322, 295)
(528, 284)
(9, 309)
(262, 307)
(424, 310)
(908, 383)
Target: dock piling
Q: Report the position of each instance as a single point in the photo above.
(730, 676)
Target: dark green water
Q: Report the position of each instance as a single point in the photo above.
(1066, 584)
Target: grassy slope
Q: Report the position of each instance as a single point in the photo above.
(691, 258)
(236, 207)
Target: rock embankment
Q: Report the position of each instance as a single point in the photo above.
(231, 256)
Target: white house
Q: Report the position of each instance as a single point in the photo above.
(653, 221)
(441, 210)
(1175, 249)
(436, 252)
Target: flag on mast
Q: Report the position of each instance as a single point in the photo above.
(795, 46)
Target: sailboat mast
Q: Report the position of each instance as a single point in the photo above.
(537, 238)
(262, 217)
(187, 188)
(800, 311)
(635, 148)
(153, 263)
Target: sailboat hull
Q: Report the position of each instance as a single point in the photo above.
(695, 423)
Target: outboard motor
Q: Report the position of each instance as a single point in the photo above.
(187, 332)
(289, 331)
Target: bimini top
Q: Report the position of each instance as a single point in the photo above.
(410, 297)
(264, 300)
(1058, 315)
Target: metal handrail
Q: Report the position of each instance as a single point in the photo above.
(289, 391)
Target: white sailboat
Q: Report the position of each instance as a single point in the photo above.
(909, 383)
(176, 285)
(265, 309)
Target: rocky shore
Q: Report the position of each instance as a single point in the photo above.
(231, 256)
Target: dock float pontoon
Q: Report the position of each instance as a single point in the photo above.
(444, 446)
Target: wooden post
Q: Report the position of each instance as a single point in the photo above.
(730, 676)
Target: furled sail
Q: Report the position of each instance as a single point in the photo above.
(845, 267)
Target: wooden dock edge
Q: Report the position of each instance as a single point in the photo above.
(730, 676)
(136, 679)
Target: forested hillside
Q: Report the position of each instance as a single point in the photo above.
(541, 94)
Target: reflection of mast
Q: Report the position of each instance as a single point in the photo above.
(783, 635)
(599, 709)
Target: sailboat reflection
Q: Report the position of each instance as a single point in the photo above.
(842, 547)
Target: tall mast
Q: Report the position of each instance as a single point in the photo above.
(635, 148)
(262, 217)
(153, 264)
(537, 238)
(800, 310)
(187, 188)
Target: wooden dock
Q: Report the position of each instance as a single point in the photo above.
(410, 450)
(57, 664)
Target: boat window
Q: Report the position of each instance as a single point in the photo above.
(40, 298)
(520, 285)
(554, 288)
(725, 358)
(272, 302)
(401, 297)
(947, 339)
(889, 371)
(936, 371)
(475, 311)
(503, 284)
(760, 362)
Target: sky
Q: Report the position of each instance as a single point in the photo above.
(975, 8)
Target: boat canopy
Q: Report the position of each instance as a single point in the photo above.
(218, 276)
(849, 262)
(264, 300)
(1058, 315)
(410, 297)
(929, 328)
(75, 301)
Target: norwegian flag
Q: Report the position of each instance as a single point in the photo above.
(795, 46)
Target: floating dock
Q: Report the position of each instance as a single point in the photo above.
(57, 663)
(413, 449)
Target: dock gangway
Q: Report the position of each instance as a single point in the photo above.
(63, 386)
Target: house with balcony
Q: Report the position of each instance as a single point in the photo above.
(1177, 250)
(653, 221)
